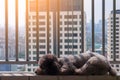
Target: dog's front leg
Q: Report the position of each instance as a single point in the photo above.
(68, 69)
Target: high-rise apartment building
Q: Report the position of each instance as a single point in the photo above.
(110, 39)
(70, 28)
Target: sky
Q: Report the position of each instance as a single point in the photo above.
(87, 8)
(98, 9)
(11, 10)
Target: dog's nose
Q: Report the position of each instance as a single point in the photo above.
(35, 71)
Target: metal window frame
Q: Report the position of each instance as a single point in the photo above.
(103, 27)
(16, 22)
(114, 30)
(47, 1)
(58, 28)
(82, 26)
(93, 46)
(6, 30)
(27, 29)
(37, 30)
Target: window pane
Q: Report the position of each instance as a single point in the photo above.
(2, 29)
(87, 8)
(98, 24)
(21, 32)
(11, 29)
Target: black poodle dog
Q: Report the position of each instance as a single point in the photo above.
(82, 64)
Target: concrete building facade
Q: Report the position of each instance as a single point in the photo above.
(110, 39)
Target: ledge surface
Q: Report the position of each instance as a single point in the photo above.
(32, 76)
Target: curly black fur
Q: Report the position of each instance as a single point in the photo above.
(83, 64)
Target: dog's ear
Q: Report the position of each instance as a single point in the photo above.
(41, 60)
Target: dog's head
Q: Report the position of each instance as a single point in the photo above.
(49, 64)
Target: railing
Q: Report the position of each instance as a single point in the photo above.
(27, 61)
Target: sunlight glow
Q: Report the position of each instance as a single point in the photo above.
(11, 10)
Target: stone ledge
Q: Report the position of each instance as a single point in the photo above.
(45, 77)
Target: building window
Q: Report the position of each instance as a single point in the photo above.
(42, 52)
(117, 40)
(60, 28)
(34, 58)
(34, 29)
(117, 21)
(68, 52)
(34, 52)
(29, 40)
(68, 28)
(117, 44)
(42, 46)
(117, 56)
(117, 51)
(70, 16)
(60, 52)
(41, 17)
(111, 56)
(42, 35)
(35, 65)
(117, 36)
(60, 34)
(29, 46)
(49, 47)
(117, 25)
(117, 33)
(42, 29)
(29, 17)
(34, 40)
(75, 46)
(29, 69)
(41, 23)
(34, 46)
(29, 29)
(117, 18)
(34, 34)
(60, 40)
(34, 17)
(117, 29)
(74, 52)
(70, 23)
(42, 40)
(60, 46)
(71, 40)
(29, 52)
(60, 22)
(29, 35)
(34, 23)
(75, 29)
(68, 46)
(74, 34)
